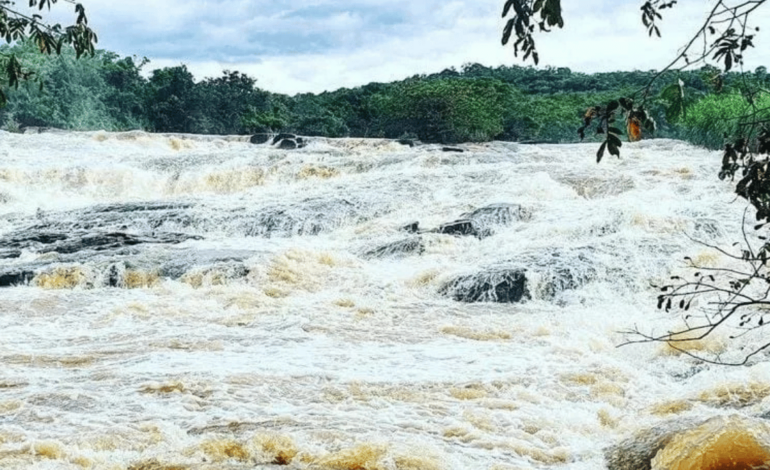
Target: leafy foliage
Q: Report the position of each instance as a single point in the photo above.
(525, 13)
(16, 26)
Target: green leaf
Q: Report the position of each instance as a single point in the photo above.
(507, 31)
(507, 7)
(600, 153)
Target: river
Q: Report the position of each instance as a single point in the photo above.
(199, 302)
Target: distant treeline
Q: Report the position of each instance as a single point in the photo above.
(475, 103)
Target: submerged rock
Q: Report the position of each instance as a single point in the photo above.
(722, 442)
(463, 227)
(397, 249)
(561, 271)
(75, 242)
(15, 278)
(310, 217)
(498, 214)
(6, 253)
(288, 144)
(496, 285)
(481, 222)
(283, 136)
(259, 138)
(413, 227)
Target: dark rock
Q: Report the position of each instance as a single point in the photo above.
(480, 222)
(9, 253)
(562, 272)
(413, 227)
(310, 217)
(283, 136)
(114, 277)
(259, 138)
(288, 144)
(409, 142)
(14, 278)
(301, 143)
(80, 241)
(452, 149)
(459, 227)
(397, 249)
(496, 285)
(179, 266)
(498, 214)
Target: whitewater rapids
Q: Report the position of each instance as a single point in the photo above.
(183, 302)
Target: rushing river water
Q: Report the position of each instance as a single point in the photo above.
(181, 302)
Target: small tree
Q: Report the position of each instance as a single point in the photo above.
(16, 26)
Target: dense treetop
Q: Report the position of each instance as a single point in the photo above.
(474, 103)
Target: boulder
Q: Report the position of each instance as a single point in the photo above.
(495, 285)
(720, 442)
(310, 217)
(452, 149)
(65, 243)
(259, 138)
(480, 222)
(283, 136)
(398, 249)
(464, 227)
(561, 270)
(288, 144)
(6, 253)
(15, 278)
(498, 214)
(412, 227)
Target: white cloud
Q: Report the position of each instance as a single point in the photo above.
(324, 44)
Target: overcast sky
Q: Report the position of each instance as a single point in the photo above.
(317, 45)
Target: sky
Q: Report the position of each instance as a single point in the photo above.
(316, 45)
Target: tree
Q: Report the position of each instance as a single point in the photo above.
(16, 26)
(172, 100)
(736, 297)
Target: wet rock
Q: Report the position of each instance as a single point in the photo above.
(215, 275)
(288, 144)
(463, 227)
(452, 149)
(284, 136)
(177, 267)
(409, 141)
(637, 452)
(481, 222)
(6, 253)
(720, 442)
(413, 227)
(76, 242)
(310, 217)
(498, 214)
(562, 271)
(495, 285)
(260, 138)
(398, 249)
(15, 278)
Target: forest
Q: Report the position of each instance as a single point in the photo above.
(473, 104)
